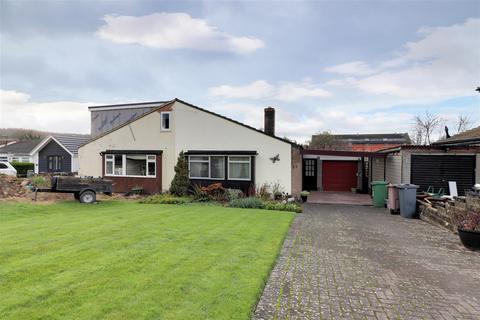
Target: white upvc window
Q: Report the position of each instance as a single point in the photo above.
(165, 121)
(239, 168)
(130, 165)
(206, 167)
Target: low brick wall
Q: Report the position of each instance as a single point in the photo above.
(445, 216)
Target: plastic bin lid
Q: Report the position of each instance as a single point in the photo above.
(407, 186)
(379, 182)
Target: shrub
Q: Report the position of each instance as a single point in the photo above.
(304, 193)
(232, 194)
(181, 181)
(263, 191)
(279, 206)
(165, 198)
(468, 220)
(40, 181)
(23, 167)
(199, 194)
(250, 202)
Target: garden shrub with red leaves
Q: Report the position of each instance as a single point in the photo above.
(469, 220)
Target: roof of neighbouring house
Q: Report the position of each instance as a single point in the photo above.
(374, 138)
(21, 147)
(164, 104)
(475, 149)
(471, 136)
(71, 141)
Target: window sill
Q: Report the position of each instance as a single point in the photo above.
(122, 176)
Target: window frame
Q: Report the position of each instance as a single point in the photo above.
(249, 166)
(58, 162)
(110, 157)
(209, 161)
(162, 128)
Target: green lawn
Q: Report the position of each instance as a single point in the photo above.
(124, 260)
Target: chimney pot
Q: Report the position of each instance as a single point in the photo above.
(269, 124)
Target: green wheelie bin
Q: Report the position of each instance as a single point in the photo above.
(379, 193)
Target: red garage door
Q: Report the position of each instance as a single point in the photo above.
(339, 175)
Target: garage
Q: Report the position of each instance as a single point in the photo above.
(339, 175)
(438, 170)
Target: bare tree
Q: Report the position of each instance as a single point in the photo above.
(424, 127)
(464, 122)
(327, 141)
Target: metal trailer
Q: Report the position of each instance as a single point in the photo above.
(84, 189)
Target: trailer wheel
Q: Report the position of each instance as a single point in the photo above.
(76, 195)
(88, 196)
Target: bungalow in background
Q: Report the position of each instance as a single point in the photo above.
(137, 145)
(58, 153)
(369, 142)
(467, 138)
(18, 151)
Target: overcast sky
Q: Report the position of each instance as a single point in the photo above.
(342, 66)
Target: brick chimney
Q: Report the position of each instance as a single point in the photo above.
(269, 125)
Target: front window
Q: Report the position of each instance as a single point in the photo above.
(54, 163)
(139, 165)
(239, 168)
(165, 118)
(207, 167)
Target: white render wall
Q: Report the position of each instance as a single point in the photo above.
(377, 170)
(143, 134)
(393, 170)
(199, 130)
(191, 129)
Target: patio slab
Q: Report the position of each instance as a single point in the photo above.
(334, 197)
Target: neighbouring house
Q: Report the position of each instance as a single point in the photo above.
(467, 138)
(58, 153)
(18, 151)
(137, 145)
(433, 165)
(358, 142)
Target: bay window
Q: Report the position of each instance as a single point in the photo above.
(137, 165)
(239, 168)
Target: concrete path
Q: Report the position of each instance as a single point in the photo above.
(337, 197)
(356, 262)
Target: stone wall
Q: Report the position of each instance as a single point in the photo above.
(444, 216)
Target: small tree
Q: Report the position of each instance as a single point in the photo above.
(180, 182)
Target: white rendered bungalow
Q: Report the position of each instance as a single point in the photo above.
(137, 145)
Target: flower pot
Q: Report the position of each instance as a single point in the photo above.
(470, 239)
(304, 198)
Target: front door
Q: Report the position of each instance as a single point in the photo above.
(309, 174)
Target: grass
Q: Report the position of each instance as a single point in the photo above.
(124, 260)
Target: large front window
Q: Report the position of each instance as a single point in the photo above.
(207, 167)
(213, 167)
(137, 165)
(239, 168)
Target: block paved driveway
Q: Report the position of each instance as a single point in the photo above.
(356, 262)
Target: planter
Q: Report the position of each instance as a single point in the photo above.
(470, 239)
(304, 198)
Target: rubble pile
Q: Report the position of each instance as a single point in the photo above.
(12, 187)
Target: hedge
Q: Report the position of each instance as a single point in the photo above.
(23, 167)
